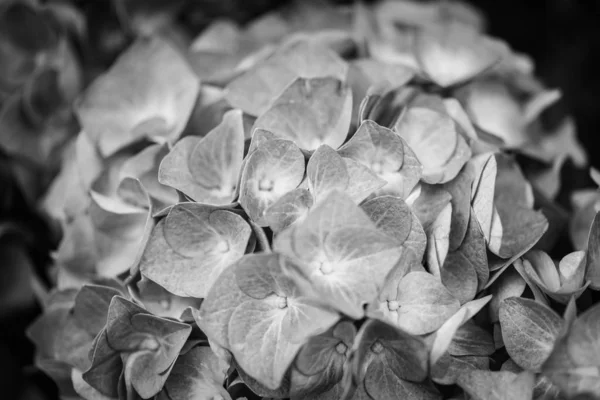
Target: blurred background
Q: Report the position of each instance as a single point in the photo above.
(562, 37)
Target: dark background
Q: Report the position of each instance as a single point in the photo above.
(562, 36)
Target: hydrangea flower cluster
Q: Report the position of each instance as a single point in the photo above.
(324, 204)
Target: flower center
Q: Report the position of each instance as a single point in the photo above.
(341, 348)
(377, 347)
(393, 305)
(225, 190)
(222, 247)
(326, 267)
(377, 167)
(266, 185)
(281, 301)
(149, 344)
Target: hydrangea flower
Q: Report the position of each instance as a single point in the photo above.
(322, 204)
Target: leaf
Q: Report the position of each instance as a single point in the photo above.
(160, 302)
(84, 389)
(391, 215)
(378, 71)
(521, 229)
(222, 51)
(516, 227)
(74, 178)
(538, 295)
(433, 136)
(382, 383)
(106, 368)
(319, 391)
(543, 268)
(471, 339)
(310, 112)
(314, 355)
(120, 107)
(438, 236)
(255, 90)
(253, 386)
(482, 192)
(49, 332)
(529, 330)
(459, 278)
(208, 112)
(539, 102)
(573, 363)
(60, 298)
(387, 155)
(364, 73)
(385, 105)
(422, 304)
(544, 388)
(133, 188)
(431, 202)
(76, 252)
(497, 385)
(91, 307)
(119, 330)
(121, 225)
(30, 120)
(197, 374)
(560, 143)
(221, 36)
(256, 312)
(460, 190)
(570, 312)
(429, 132)
(461, 155)
(207, 169)
(511, 185)
(462, 51)
(339, 253)
(144, 166)
(509, 284)
(449, 368)
(105, 240)
(593, 254)
(404, 355)
(259, 137)
(363, 181)
(272, 170)
(150, 345)
(319, 365)
(408, 262)
(289, 208)
(559, 283)
(445, 335)
(571, 269)
(546, 180)
(191, 246)
(465, 271)
(455, 109)
(416, 240)
(474, 306)
(584, 204)
(326, 171)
